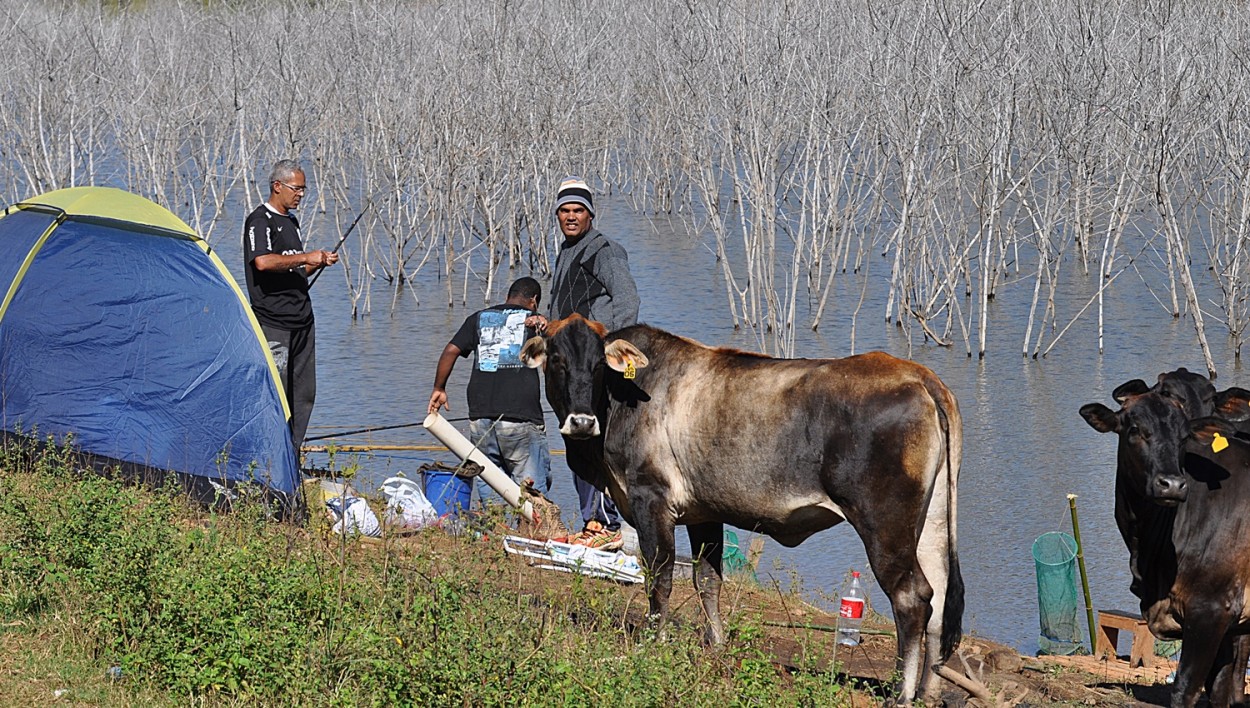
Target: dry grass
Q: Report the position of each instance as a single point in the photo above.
(46, 665)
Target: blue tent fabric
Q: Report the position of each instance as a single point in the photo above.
(18, 234)
(133, 341)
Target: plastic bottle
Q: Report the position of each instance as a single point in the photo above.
(851, 613)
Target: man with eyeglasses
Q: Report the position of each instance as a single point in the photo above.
(277, 270)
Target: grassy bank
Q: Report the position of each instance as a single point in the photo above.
(233, 609)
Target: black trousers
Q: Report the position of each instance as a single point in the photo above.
(294, 351)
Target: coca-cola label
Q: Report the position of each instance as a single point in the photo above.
(852, 608)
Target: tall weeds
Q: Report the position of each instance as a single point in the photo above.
(236, 608)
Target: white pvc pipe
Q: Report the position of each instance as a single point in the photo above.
(491, 474)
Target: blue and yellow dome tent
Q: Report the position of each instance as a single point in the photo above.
(121, 331)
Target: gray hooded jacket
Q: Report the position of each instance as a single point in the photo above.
(592, 278)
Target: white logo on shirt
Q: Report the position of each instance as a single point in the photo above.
(501, 334)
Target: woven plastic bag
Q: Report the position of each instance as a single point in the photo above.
(353, 515)
(406, 505)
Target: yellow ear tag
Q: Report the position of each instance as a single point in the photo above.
(630, 372)
(1219, 443)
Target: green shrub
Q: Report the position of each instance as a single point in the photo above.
(231, 606)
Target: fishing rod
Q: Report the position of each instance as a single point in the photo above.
(363, 430)
(387, 448)
(373, 429)
(373, 448)
(343, 240)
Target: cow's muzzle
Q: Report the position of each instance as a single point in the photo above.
(1169, 491)
(580, 426)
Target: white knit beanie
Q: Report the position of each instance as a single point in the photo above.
(573, 190)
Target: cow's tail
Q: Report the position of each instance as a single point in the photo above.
(952, 432)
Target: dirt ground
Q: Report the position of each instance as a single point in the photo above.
(802, 639)
(1011, 679)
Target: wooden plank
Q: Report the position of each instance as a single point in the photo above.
(1116, 670)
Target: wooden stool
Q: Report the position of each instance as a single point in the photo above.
(1110, 622)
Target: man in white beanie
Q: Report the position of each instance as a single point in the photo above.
(592, 275)
(592, 278)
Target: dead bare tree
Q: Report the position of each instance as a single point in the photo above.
(969, 149)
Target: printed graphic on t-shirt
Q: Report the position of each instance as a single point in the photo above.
(500, 335)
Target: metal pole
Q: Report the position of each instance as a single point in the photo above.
(1080, 561)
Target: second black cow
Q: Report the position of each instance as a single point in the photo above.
(1182, 496)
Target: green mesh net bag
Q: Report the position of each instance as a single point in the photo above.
(1054, 558)
(733, 559)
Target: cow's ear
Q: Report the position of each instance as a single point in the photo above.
(623, 356)
(534, 353)
(1233, 404)
(1211, 432)
(1100, 417)
(1136, 387)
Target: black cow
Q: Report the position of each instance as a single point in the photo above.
(1182, 497)
(680, 433)
(1195, 395)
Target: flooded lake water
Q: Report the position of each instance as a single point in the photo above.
(1026, 448)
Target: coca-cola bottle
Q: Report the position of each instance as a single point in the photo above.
(851, 612)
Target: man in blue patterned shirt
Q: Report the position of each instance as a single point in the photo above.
(505, 408)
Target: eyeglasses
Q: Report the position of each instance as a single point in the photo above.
(298, 189)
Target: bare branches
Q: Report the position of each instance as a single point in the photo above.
(968, 147)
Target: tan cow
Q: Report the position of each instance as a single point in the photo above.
(683, 434)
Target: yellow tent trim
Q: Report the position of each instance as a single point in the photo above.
(110, 203)
(21, 272)
(251, 317)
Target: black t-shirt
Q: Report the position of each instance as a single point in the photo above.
(279, 298)
(500, 385)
